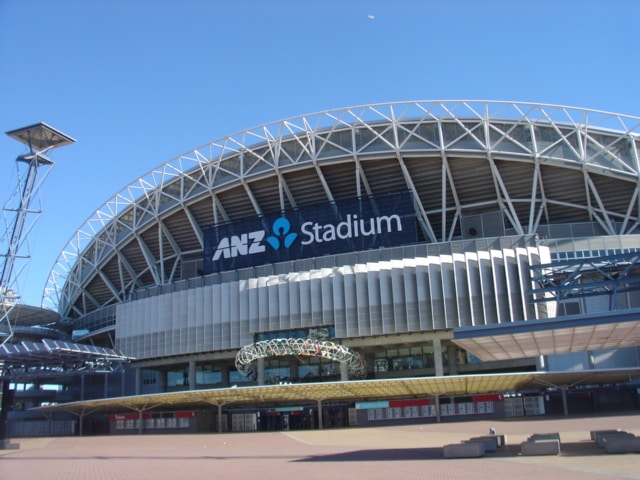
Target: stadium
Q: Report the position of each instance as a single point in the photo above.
(369, 265)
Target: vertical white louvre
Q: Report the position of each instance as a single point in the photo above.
(350, 301)
(423, 289)
(362, 300)
(373, 290)
(283, 302)
(411, 294)
(328, 317)
(399, 300)
(316, 297)
(463, 292)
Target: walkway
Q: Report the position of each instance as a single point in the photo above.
(400, 452)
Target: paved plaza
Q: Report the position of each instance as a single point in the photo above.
(394, 452)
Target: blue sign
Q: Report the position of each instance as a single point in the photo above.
(340, 227)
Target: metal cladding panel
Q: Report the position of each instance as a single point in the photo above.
(284, 302)
(488, 291)
(424, 301)
(305, 299)
(188, 334)
(316, 297)
(373, 292)
(263, 305)
(207, 313)
(217, 316)
(386, 298)
(225, 310)
(449, 291)
(359, 300)
(472, 267)
(411, 294)
(362, 300)
(274, 304)
(328, 308)
(339, 304)
(294, 300)
(500, 286)
(399, 300)
(437, 297)
(462, 288)
(350, 302)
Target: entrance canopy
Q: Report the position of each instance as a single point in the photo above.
(576, 333)
(361, 390)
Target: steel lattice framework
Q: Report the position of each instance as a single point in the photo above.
(535, 164)
(307, 347)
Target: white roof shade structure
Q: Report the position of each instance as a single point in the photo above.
(535, 164)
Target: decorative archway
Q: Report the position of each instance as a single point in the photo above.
(306, 347)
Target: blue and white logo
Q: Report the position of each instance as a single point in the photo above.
(281, 232)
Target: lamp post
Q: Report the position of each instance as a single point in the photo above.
(40, 138)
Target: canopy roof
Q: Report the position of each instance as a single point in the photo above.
(575, 333)
(364, 390)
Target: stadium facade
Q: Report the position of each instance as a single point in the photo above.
(375, 232)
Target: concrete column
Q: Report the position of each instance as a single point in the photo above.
(438, 408)
(344, 372)
(565, 405)
(138, 381)
(293, 368)
(220, 429)
(224, 371)
(452, 354)
(261, 372)
(81, 387)
(192, 375)
(319, 414)
(437, 357)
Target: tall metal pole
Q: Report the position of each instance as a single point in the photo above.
(40, 138)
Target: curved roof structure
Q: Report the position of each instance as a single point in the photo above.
(533, 164)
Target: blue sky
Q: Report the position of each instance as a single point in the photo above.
(139, 82)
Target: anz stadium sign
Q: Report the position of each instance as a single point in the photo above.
(328, 229)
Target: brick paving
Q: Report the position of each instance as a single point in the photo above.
(394, 452)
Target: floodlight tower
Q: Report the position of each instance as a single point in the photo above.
(40, 138)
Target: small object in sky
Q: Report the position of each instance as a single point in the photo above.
(371, 17)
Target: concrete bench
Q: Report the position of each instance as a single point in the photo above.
(594, 433)
(544, 436)
(490, 442)
(548, 446)
(463, 450)
(603, 438)
(621, 444)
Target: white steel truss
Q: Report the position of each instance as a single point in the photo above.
(457, 158)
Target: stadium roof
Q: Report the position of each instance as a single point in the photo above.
(535, 164)
(364, 390)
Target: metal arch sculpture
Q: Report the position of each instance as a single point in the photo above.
(306, 347)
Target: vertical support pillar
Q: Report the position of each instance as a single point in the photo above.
(437, 357)
(260, 365)
(344, 372)
(138, 381)
(192, 375)
(565, 404)
(82, 387)
(319, 414)
(140, 422)
(224, 372)
(293, 368)
(452, 355)
(438, 408)
(220, 429)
